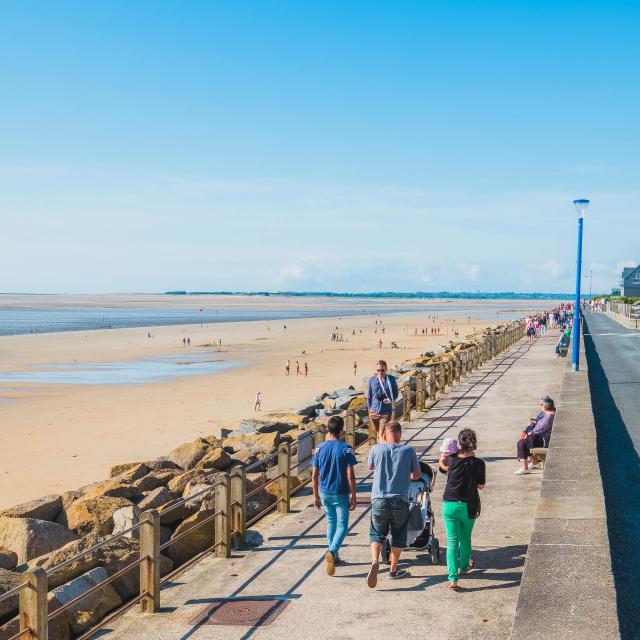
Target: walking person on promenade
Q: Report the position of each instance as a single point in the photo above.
(394, 465)
(461, 504)
(382, 393)
(333, 481)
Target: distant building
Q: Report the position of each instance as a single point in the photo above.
(630, 283)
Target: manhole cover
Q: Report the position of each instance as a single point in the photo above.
(247, 612)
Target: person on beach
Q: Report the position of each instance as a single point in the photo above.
(382, 393)
(297, 367)
(536, 435)
(394, 465)
(461, 504)
(287, 368)
(355, 367)
(258, 404)
(306, 369)
(333, 482)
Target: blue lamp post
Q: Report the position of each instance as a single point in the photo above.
(581, 207)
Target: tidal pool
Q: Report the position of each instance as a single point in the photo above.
(143, 371)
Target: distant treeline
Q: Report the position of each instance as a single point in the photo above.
(471, 295)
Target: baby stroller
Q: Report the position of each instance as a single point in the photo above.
(421, 530)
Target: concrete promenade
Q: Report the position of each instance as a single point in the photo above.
(287, 562)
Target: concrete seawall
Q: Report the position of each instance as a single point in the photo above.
(567, 588)
(630, 323)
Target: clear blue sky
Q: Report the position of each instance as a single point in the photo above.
(346, 146)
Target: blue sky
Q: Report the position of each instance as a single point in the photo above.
(346, 146)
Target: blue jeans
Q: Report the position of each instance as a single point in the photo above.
(337, 510)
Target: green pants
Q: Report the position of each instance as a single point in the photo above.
(459, 526)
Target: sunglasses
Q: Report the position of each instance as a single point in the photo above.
(380, 370)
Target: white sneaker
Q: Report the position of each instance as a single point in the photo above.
(520, 471)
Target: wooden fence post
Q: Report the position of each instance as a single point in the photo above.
(350, 428)
(239, 505)
(222, 522)
(420, 391)
(33, 605)
(406, 401)
(433, 384)
(284, 471)
(150, 567)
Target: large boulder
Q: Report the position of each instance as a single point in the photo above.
(94, 515)
(217, 459)
(155, 479)
(155, 499)
(171, 512)
(112, 489)
(113, 556)
(89, 610)
(310, 410)
(279, 421)
(132, 470)
(160, 464)
(58, 629)
(264, 441)
(8, 558)
(176, 485)
(359, 403)
(124, 519)
(198, 540)
(8, 580)
(29, 538)
(259, 501)
(45, 508)
(189, 454)
(344, 391)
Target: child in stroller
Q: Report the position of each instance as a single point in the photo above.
(420, 534)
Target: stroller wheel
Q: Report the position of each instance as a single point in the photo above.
(386, 552)
(435, 551)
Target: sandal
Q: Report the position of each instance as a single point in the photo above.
(453, 586)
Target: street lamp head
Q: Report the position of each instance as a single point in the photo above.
(581, 207)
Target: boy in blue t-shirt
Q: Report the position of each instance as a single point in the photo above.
(333, 479)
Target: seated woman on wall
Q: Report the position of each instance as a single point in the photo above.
(536, 435)
(564, 340)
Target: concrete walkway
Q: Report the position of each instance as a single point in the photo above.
(288, 565)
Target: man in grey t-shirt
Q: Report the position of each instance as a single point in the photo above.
(394, 465)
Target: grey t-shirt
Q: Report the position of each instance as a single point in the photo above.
(392, 465)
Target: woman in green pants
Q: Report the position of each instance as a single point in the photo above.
(461, 503)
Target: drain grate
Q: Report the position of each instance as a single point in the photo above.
(245, 612)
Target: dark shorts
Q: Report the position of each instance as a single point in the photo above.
(389, 514)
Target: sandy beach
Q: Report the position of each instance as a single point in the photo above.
(56, 437)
